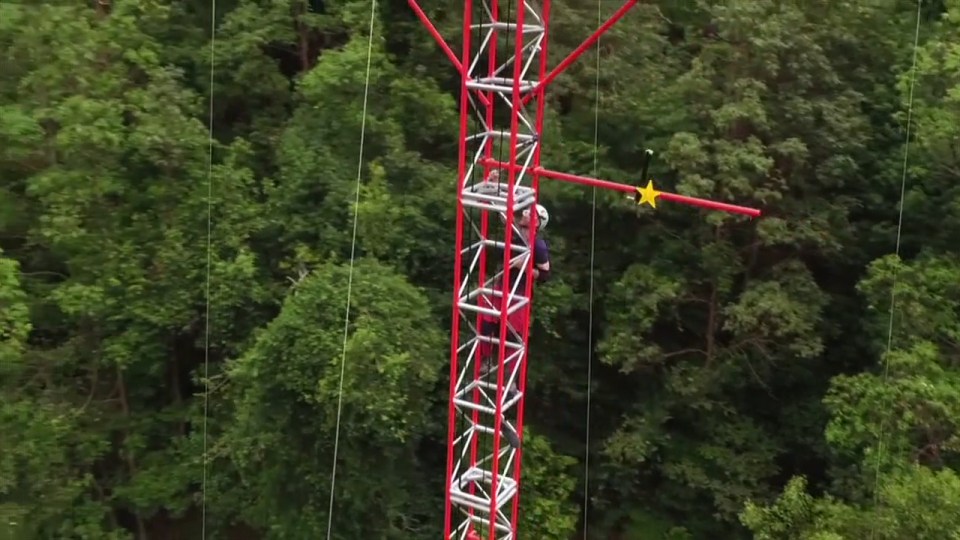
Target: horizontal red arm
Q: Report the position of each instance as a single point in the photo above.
(625, 188)
(710, 205)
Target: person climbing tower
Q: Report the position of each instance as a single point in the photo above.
(519, 320)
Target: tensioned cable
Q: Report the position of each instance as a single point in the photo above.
(206, 337)
(353, 250)
(593, 237)
(893, 286)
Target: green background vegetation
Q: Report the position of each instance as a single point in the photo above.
(741, 380)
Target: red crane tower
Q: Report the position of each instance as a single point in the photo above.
(483, 476)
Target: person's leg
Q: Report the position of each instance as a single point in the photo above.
(488, 328)
(518, 322)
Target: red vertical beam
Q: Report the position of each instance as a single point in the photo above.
(484, 219)
(522, 383)
(488, 143)
(507, 253)
(662, 195)
(457, 267)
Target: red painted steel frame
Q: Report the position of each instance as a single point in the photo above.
(519, 100)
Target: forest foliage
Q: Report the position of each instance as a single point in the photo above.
(750, 378)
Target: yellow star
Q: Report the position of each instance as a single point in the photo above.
(648, 194)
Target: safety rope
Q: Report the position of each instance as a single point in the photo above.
(206, 337)
(593, 236)
(896, 271)
(353, 248)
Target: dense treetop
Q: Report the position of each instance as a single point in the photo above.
(750, 377)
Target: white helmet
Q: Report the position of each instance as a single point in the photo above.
(542, 216)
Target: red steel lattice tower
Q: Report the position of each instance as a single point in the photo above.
(503, 69)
